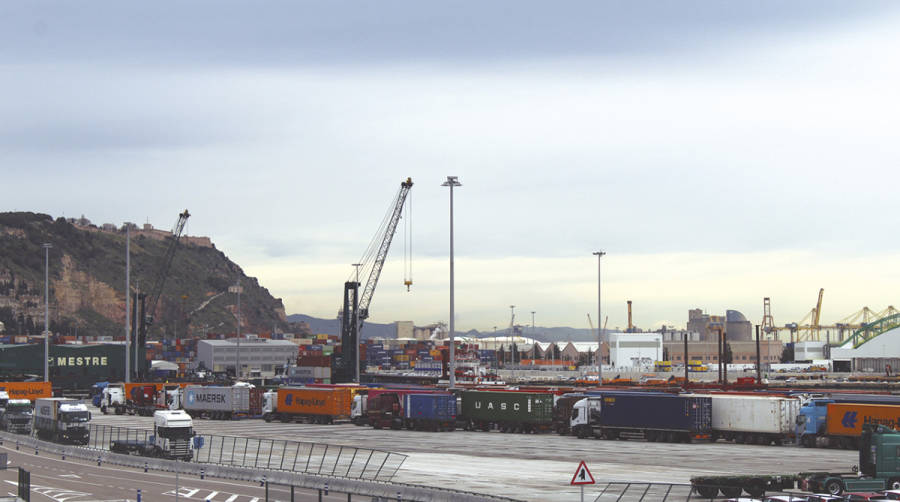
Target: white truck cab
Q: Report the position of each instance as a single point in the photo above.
(580, 421)
(358, 409)
(113, 398)
(173, 434)
(270, 405)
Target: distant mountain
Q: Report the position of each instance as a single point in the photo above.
(374, 330)
(333, 327)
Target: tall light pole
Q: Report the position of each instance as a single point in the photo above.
(238, 289)
(452, 182)
(46, 247)
(599, 255)
(510, 331)
(127, 303)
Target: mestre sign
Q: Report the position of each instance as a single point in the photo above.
(79, 361)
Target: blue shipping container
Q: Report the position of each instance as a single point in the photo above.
(437, 406)
(654, 410)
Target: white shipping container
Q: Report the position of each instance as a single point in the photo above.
(772, 416)
(228, 399)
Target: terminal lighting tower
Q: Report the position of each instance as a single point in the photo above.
(46, 247)
(599, 255)
(451, 182)
(238, 289)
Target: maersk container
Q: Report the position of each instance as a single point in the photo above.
(217, 402)
(658, 415)
(754, 419)
(507, 410)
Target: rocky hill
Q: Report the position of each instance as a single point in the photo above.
(87, 281)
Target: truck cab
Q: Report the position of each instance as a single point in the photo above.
(62, 420)
(112, 397)
(358, 409)
(812, 420)
(270, 405)
(879, 465)
(173, 434)
(4, 398)
(580, 422)
(17, 416)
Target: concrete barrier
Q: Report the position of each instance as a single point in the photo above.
(382, 489)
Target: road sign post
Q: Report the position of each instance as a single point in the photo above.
(582, 477)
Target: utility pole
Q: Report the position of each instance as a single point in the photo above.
(238, 290)
(451, 182)
(127, 303)
(46, 247)
(599, 255)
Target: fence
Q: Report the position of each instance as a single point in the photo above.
(628, 491)
(272, 454)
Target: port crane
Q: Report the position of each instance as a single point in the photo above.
(355, 308)
(144, 318)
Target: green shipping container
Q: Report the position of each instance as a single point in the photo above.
(532, 408)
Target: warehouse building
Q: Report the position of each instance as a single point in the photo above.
(257, 355)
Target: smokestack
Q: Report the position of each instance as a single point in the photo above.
(630, 325)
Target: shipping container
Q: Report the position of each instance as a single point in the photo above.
(431, 411)
(508, 411)
(312, 404)
(215, 402)
(754, 419)
(847, 419)
(657, 416)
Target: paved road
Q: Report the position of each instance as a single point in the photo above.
(79, 481)
(530, 466)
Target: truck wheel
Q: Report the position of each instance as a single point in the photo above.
(755, 488)
(834, 487)
(103, 410)
(894, 483)
(731, 491)
(707, 492)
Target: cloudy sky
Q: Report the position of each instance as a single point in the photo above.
(719, 152)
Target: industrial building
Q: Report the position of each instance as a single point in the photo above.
(257, 354)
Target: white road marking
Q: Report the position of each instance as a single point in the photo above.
(211, 495)
(189, 492)
(231, 498)
(70, 476)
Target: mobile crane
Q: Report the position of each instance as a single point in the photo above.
(355, 308)
(142, 320)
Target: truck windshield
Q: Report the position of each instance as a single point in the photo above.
(19, 408)
(75, 416)
(175, 432)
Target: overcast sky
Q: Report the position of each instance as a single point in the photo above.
(719, 152)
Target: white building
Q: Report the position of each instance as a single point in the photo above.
(635, 350)
(259, 354)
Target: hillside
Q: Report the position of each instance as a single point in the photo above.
(87, 281)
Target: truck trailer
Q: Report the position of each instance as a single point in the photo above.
(656, 416)
(172, 438)
(826, 422)
(320, 405)
(17, 416)
(508, 411)
(754, 419)
(879, 469)
(220, 403)
(62, 420)
(433, 411)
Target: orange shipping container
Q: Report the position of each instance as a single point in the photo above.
(332, 402)
(27, 390)
(847, 419)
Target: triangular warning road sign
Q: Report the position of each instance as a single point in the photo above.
(582, 475)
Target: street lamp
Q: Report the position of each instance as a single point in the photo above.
(46, 247)
(238, 290)
(599, 255)
(452, 182)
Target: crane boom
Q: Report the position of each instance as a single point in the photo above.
(166, 264)
(355, 309)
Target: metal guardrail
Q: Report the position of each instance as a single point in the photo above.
(273, 454)
(636, 491)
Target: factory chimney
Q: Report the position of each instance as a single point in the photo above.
(630, 325)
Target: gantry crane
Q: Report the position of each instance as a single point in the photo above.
(143, 313)
(355, 308)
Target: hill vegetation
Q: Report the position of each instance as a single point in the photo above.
(87, 282)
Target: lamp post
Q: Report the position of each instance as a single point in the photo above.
(46, 247)
(238, 290)
(127, 304)
(452, 182)
(599, 255)
(511, 331)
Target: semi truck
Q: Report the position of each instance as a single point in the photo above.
(879, 469)
(141, 399)
(222, 403)
(112, 399)
(826, 422)
(320, 405)
(62, 420)
(656, 416)
(754, 419)
(17, 416)
(172, 438)
(508, 411)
